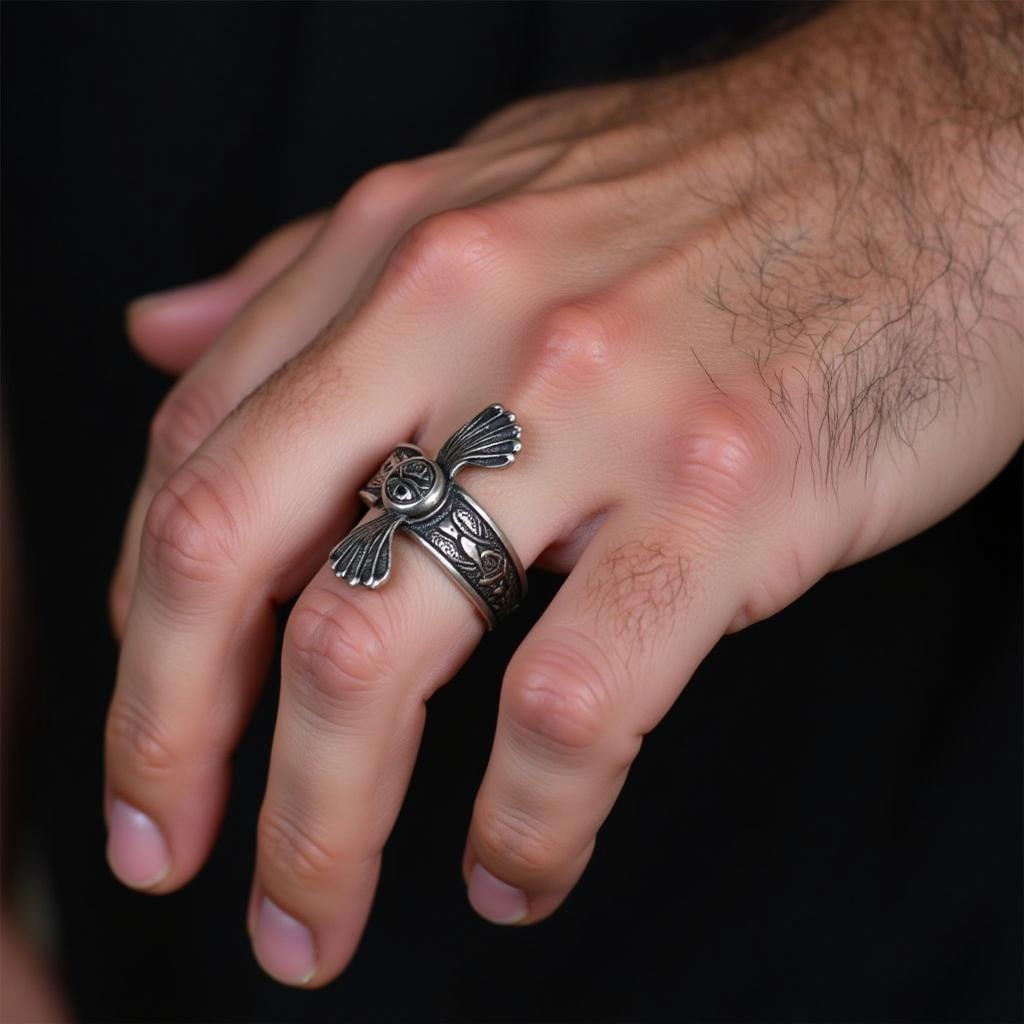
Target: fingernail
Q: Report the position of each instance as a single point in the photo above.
(136, 849)
(494, 899)
(283, 946)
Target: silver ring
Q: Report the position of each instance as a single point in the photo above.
(419, 495)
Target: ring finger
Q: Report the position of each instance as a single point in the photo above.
(358, 666)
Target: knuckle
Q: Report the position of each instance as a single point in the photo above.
(516, 844)
(446, 252)
(292, 848)
(185, 418)
(340, 656)
(558, 696)
(190, 531)
(577, 344)
(136, 739)
(724, 453)
(385, 194)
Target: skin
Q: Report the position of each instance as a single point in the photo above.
(758, 321)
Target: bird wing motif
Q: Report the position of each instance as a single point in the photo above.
(364, 555)
(491, 438)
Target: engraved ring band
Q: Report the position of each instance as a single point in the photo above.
(419, 495)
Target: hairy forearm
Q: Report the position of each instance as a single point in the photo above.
(976, 50)
(930, 95)
(875, 188)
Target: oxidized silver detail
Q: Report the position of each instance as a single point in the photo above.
(415, 487)
(419, 495)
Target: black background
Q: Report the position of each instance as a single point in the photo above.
(828, 824)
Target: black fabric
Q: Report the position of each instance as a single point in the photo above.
(828, 824)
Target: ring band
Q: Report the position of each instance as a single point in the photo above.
(472, 548)
(419, 496)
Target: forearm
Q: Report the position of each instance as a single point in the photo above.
(929, 95)
(874, 184)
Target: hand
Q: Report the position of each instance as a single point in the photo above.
(758, 322)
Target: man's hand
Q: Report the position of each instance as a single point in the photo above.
(759, 321)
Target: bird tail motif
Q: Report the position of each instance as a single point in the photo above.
(491, 438)
(364, 555)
